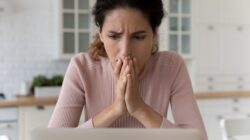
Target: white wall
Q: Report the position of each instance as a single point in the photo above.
(28, 45)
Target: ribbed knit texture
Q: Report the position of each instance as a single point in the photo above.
(90, 85)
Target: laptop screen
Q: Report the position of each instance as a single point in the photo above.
(114, 134)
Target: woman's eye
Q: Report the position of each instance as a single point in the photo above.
(114, 37)
(139, 37)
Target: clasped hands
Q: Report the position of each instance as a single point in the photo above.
(127, 97)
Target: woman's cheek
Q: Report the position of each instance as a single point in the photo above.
(112, 53)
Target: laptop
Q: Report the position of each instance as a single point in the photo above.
(114, 134)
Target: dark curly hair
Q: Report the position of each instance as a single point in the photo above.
(152, 9)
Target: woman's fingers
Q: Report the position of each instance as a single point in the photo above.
(129, 83)
(122, 85)
(123, 79)
(121, 64)
(132, 71)
(136, 67)
(124, 65)
(118, 67)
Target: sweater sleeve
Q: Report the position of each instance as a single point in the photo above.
(184, 107)
(71, 100)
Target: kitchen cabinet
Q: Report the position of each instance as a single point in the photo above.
(214, 110)
(206, 11)
(180, 27)
(222, 82)
(207, 49)
(235, 48)
(31, 117)
(221, 44)
(8, 122)
(222, 11)
(235, 11)
(222, 49)
(75, 27)
(221, 53)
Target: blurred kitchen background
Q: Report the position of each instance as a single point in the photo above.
(38, 38)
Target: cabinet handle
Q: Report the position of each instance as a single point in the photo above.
(236, 100)
(210, 79)
(210, 88)
(219, 117)
(40, 107)
(236, 109)
(240, 87)
(240, 28)
(211, 28)
(6, 126)
(240, 78)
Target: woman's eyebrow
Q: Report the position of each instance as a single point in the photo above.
(135, 33)
(114, 32)
(139, 32)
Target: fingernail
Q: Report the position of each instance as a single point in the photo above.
(125, 60)
(128, 75)
(124, 79)
(127, 68)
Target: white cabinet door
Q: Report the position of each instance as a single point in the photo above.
(9, 129)
(213, 111)
(235, 11)
(208, 50)
(222, 11)
(33, 117)
(75, 27)
(206, 11)
(221, 42)
(235, 49)
(212, 124)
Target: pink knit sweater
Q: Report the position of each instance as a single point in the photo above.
(89, 85)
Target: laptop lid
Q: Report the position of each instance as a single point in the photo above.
(114, 134)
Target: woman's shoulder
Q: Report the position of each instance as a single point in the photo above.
(169, 58)
(85, 59)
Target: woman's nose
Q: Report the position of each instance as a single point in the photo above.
(125, 48)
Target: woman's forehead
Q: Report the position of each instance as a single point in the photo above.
(125, 19)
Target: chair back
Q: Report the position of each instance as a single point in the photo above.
(4, 137)
(235, 127)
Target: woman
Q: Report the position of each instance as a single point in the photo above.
(123, 81)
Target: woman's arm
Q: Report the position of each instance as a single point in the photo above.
(71, 99)
(184, 108)
(148, 117)
(183, 104)
(135, 105)
(106, 117)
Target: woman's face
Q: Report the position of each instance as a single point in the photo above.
(127, 32)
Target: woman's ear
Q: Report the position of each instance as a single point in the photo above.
(155, 37)
(100, 35)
